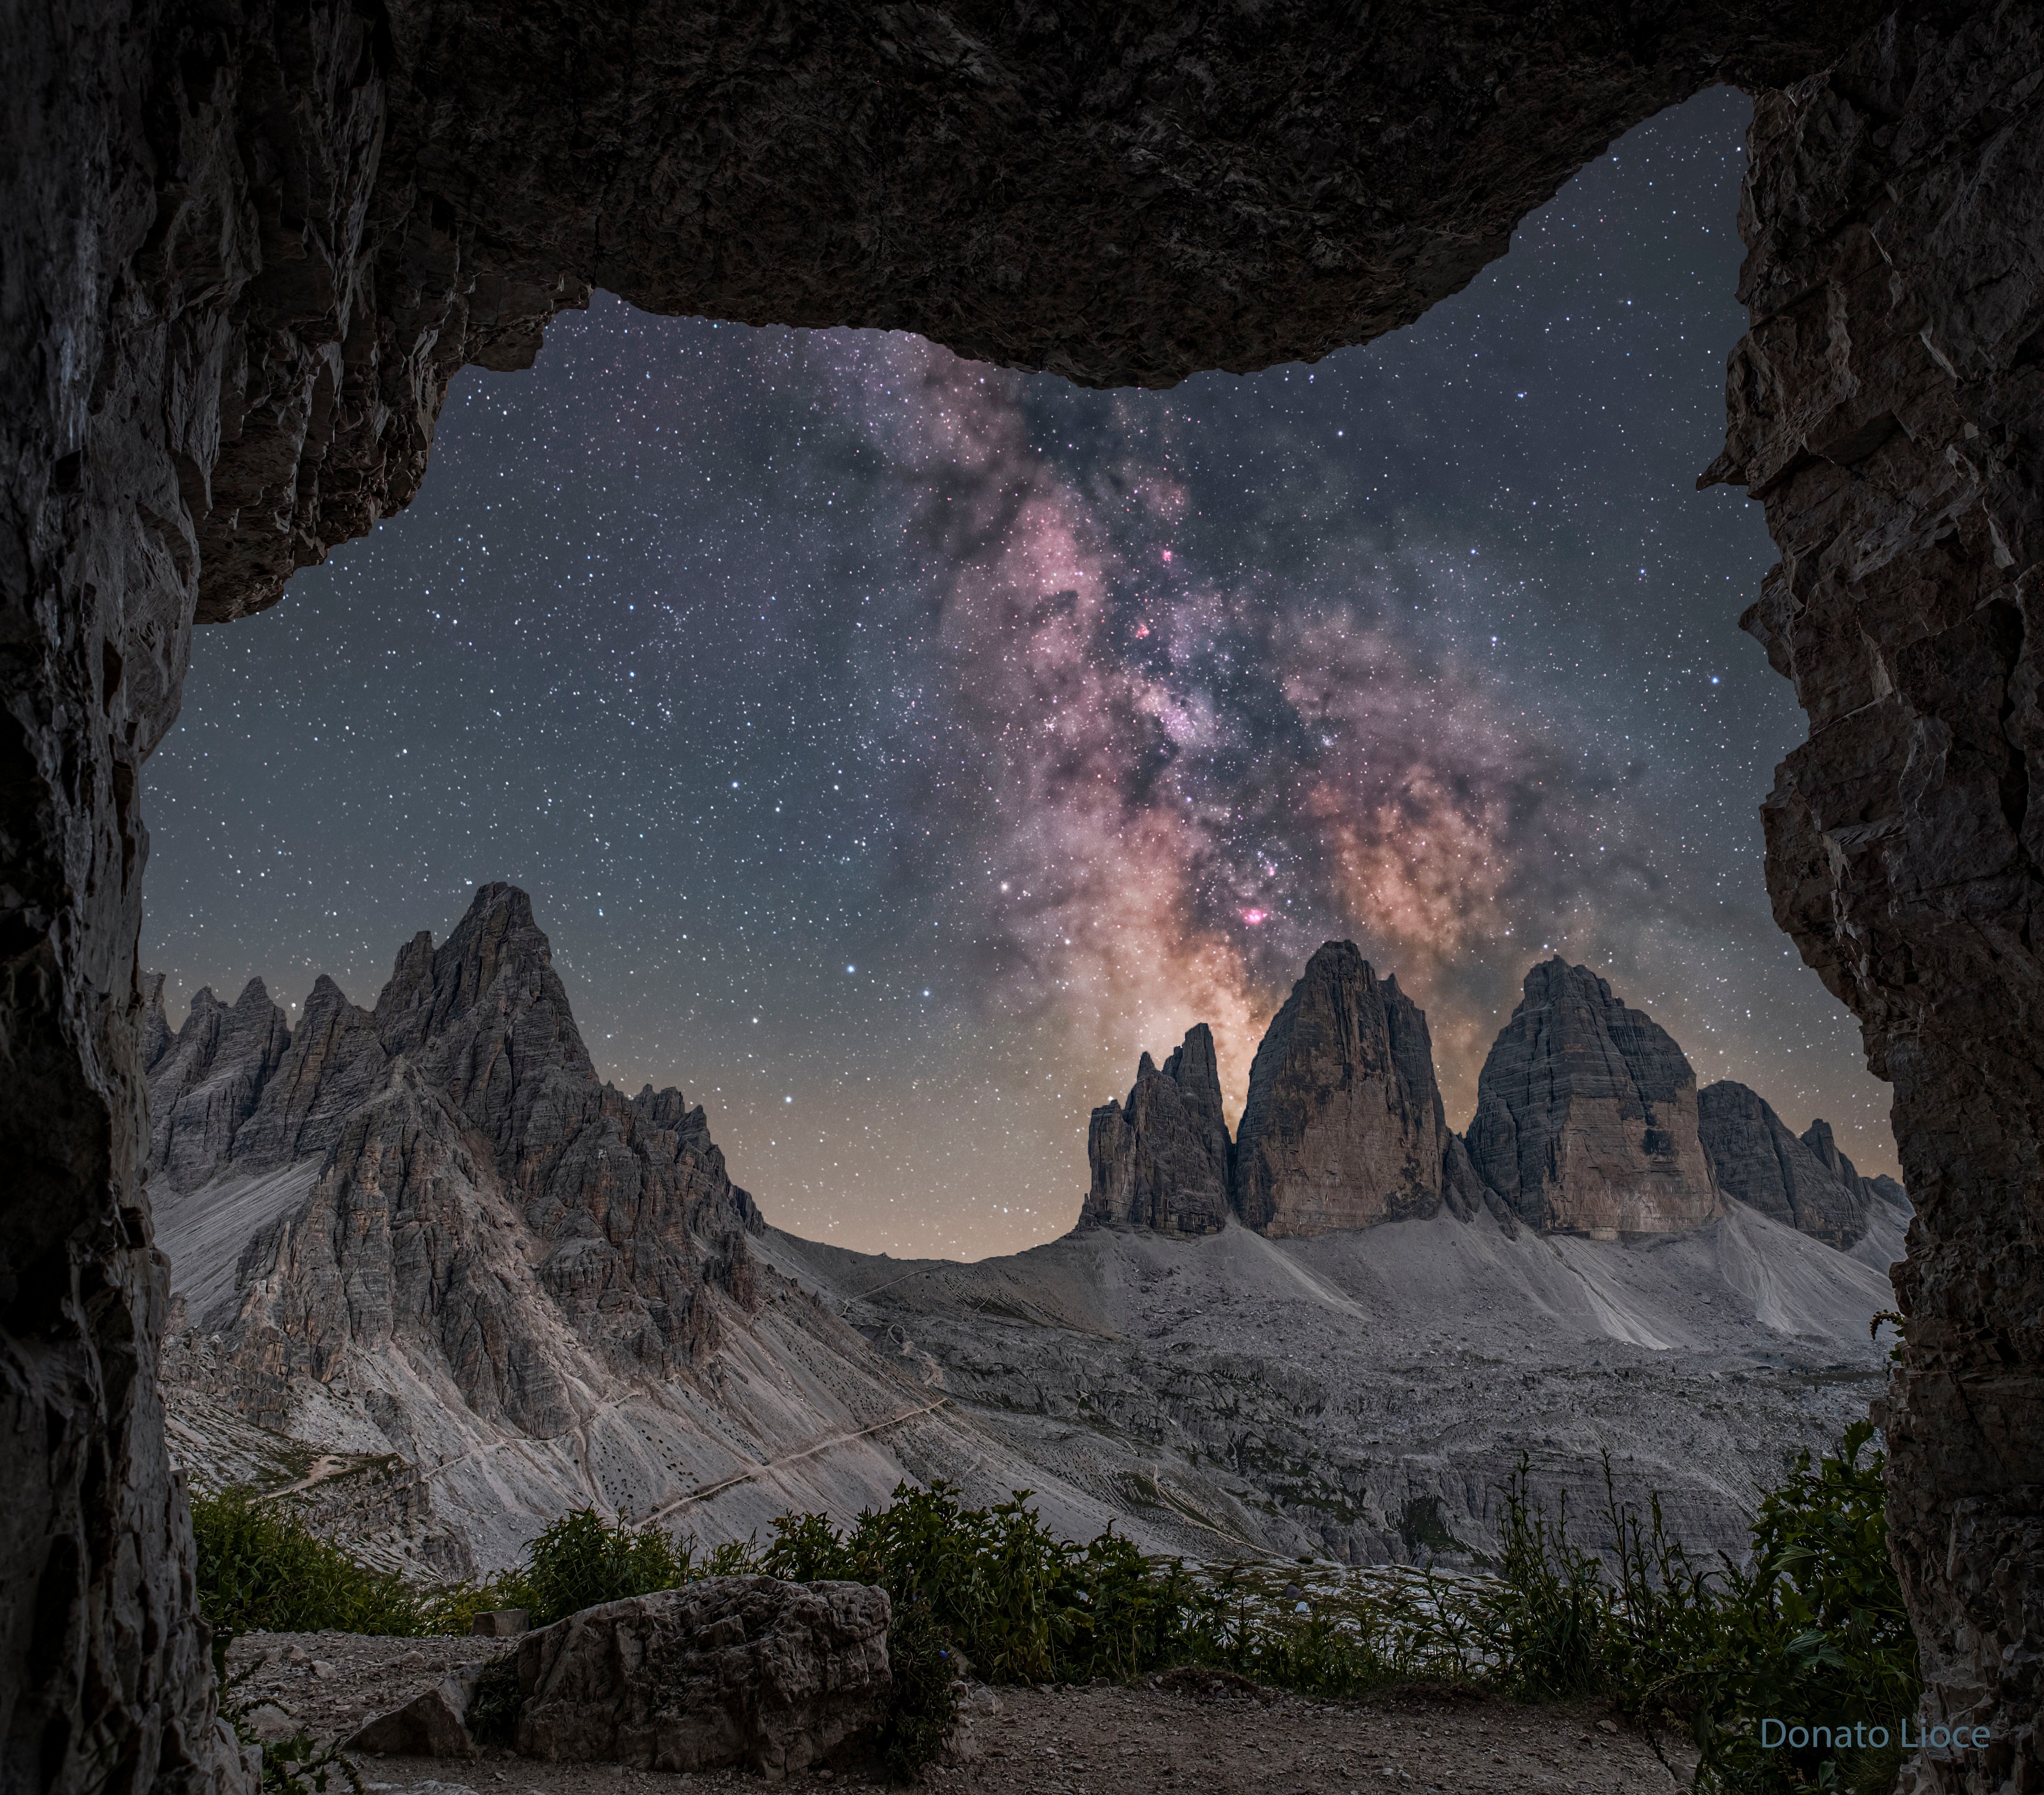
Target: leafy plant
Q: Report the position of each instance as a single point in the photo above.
(1815, 1634)
(260, 1567)
(583, 1560)
(1812, 1633)
(1550, 1619)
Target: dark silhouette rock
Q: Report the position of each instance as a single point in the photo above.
(774, 1676)
(1344, 1127)
(1163, 1162)
(1756, 1159)
(1885, 405)
(1586, 1114)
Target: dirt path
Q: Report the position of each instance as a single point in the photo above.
(326, 1465)
(752, 1471)
(1185, 1735)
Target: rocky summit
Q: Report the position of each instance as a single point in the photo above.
(1164, 1161)
(435, 1283)
(1586, 1114)
(1344, 1127)
(1588, 1121)
(1805, 1182)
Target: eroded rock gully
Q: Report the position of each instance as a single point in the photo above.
(244, 249)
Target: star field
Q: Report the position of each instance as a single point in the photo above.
(894, 746)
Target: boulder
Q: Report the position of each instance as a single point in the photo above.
(501, 1624)
(744, 1671)
(1344, 1127)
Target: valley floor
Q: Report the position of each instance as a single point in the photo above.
(1188, 1733)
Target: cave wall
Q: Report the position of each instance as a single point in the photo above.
(1888, 405)
(246, 246)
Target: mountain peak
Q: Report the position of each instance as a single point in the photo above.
(1586, 1114)
(1162, 1161)
(1344, 1127)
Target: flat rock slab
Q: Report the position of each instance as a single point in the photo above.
(776, 1676)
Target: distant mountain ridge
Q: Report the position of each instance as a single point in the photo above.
(437, 1283)
(1588, 1121)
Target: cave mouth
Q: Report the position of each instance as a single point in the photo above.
(251, 253)
(783, 668)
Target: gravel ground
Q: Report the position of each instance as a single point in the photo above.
(1187, 1734)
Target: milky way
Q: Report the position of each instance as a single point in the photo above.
(895, 746)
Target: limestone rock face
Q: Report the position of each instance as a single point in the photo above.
(1163, 1161)
(447, 1178)
(1884, 404)
(434, 1723)
(1586, 1114)
(1464, 1191)
(206, 1082)
(729, 1671)
(1344, 1127)
(1756, 1159)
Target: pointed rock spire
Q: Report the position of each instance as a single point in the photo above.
(1162, 1162)
(206, 1084)
(1344, 1127)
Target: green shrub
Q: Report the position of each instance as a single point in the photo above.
(1549, 1623)
(260, 1568)
(1813, 1633)
(992, 1589)
(583, 1560)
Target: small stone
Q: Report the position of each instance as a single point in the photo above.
(434, 1723)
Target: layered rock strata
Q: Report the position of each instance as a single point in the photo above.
(1589, 1122)
(1164, 1160)
(1344, 1127)
(1755, 1158)
(438, 1208)
(1886, 404)
(1586, 1114)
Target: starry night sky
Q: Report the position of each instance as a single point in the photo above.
(894, 746)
